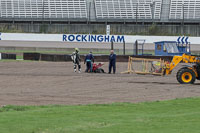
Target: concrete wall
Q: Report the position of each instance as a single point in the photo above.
(98, 58)
(193, 30)
(7, 56)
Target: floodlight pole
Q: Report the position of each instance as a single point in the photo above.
(135, 48)
(43, 29)
(43, 11)
(183, 20)
(124, 47)
(152, 10)
(112, 47)
(89, 18)
(136, 13)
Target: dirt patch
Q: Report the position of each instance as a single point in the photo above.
(42, 83)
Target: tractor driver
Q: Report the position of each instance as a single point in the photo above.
(88, 60)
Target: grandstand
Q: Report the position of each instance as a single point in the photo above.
(190, 9)
(43, 9)
(129, 9)
(101, 10)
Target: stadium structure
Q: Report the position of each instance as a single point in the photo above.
(161, 12)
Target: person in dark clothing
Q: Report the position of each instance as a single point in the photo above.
(88, 60)
(112, 62)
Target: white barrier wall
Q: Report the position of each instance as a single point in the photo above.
(91, 38)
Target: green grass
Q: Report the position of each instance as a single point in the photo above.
(18, 57)
(176, 116)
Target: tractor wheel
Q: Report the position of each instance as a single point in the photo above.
(186, 76)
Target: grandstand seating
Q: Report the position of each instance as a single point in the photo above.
(157, 12)
(127, 9)
(191, 9)
(101, 10)
(43, 9)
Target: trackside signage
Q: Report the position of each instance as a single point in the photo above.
(93, 38)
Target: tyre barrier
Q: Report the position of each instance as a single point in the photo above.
(55, 58)
(98, 58)
(7, 56)
(31, 56)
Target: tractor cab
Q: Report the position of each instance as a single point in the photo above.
(171, 48)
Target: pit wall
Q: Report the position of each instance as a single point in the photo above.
(98, 58)
(7, 56)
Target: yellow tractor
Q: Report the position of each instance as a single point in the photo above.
(187, 74)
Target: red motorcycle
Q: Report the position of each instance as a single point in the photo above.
(96, 68)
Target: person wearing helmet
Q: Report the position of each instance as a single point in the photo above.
(88, 60)
(76, 60)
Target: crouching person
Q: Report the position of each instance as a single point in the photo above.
(76, 60)
(88, 60)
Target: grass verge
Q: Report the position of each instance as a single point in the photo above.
(176, 116)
